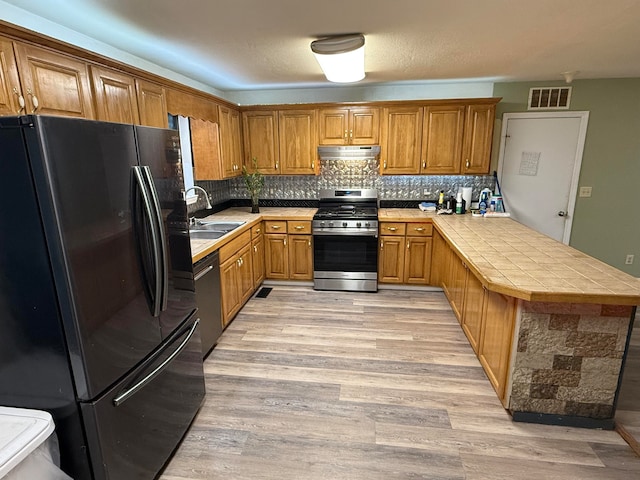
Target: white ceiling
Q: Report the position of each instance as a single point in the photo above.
(264, 44)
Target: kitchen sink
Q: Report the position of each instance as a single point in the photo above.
(212, 230)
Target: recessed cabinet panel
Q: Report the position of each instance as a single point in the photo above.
(442, 139)
(401, 132)
(54, 84)
(261, 141)
(152, 102)
(10, 88)
(478, 137)
(115, 96)
(298, 141)
(391, 259)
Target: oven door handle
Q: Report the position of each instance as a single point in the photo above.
(350, 233)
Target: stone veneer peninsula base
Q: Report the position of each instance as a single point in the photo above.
(567, 362)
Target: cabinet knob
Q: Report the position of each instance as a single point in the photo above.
(285, 242)
(258, 231)
(309, 242)
(255, 249)
(384, 165)
(467, 163)
(350, 133)
(345, 134)
(313, 164)
(34, 100)
(408, 244)
(276, 165)
(381, 244)
(424, 164)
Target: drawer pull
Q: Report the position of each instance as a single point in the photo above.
(419, 229)
(392, 229)
(299, 227)
(275, 227)
(408, 244)
(258, 231)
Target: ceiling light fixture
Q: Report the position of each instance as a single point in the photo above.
(341, 57)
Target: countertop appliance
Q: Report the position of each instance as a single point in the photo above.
(345, 240)
(98, 320)
(207, 276)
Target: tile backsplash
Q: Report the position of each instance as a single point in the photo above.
(349, 174)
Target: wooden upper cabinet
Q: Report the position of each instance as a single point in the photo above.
(442, 139)
(53, 83)
(349, 126)
(478, 137)
(400, 137)
(10, 89)
(230, 141)
(205, 149)
(152, 103)
(260, 130)
(298, 142)
(115, 96)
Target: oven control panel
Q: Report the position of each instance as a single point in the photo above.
(345, 227)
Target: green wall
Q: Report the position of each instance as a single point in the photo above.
(606, 225)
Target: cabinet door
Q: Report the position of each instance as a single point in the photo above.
(417, 260)
(472, 310)
(442, 139)
(257, 251)
(478, 138)
(115, 96)
(230, 292)
(230, 163)
(438, 259)
(400, 137)
(245, 273)
(261, 140)
(276, 258)
(458, 283)
(205, 149)
(53, 83)
(152, 104)
(364, 125)
(10, 89)
(391, 259)
(300, 257)
(333, 126)
(496, 338)
(298, 142)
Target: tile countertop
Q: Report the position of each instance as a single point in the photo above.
(514, 260)
(200, 248)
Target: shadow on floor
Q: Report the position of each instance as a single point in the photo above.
(628, 410)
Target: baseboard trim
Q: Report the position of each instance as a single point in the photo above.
(564, 420)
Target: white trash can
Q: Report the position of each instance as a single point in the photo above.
(28, 446)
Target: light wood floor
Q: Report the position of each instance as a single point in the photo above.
(308, 385)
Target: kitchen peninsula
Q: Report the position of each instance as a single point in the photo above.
(549, 324)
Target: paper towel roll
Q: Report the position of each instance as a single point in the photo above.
(466, 196)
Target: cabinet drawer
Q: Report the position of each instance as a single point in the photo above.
(257, 230)
(228, 250)
(392, 228)
(300, 226)
(275, 226)
(420, 229)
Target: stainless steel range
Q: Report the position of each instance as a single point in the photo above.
(345, 239)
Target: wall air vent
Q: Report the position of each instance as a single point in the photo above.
(549, 98)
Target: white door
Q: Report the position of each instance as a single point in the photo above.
(539, 166)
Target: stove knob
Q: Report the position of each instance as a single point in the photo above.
(344, 224)
(367, 224)
(331, 224)
(358, 224)
(322, 224)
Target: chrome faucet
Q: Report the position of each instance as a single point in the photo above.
(206, 195)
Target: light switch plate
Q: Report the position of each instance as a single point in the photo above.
(585, 191)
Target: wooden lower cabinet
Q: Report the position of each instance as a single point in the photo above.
(440, 253)
(494, 352)
(458, 285)
(257, 252)
(288, 256)
(236, 275)
(405, 253)
(472, 310)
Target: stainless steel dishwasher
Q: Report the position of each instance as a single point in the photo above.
(207, 277)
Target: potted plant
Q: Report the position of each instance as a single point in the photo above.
(254, 182)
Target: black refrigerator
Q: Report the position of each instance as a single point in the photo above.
(98, 320)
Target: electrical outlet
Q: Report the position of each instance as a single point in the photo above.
(585, 191)
(426, 192)
(629, 260)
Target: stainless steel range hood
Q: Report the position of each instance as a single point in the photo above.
(349, 152)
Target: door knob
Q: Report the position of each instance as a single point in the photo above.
(561, 213)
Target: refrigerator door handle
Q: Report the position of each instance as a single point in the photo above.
(120, 399)
(155, 294)
(164, 288)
